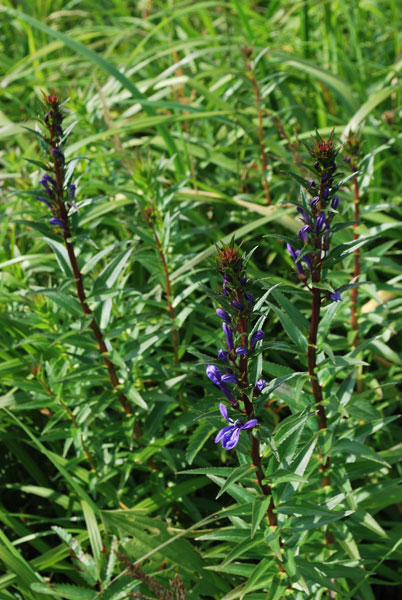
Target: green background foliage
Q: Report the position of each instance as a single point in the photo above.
(164, 114)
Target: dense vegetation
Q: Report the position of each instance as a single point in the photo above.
(189, 149)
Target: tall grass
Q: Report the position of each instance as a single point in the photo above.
(195, 112)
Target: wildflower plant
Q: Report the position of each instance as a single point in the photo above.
(320, 204)
(242, 347)
(58, 195)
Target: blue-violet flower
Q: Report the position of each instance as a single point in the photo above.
(229, 435)
(223, 315)
(256, 337)
(229, 335)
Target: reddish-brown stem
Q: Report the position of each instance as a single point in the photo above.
(255, 444)
(312, 353)
(312, 357)
(169, 297)
(356, 270)
(79, 284)
(254, 83)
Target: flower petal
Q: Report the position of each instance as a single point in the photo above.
(249, 424)
(230, 442)
(224, 412)
(214, 374)
(222, 433)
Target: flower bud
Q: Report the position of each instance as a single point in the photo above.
(229, 335)
(223, 355)
(229, 378)
(256, 337)
(55, 221)
(249, 297)
(223, 315)
(320, 222)
(303, 234)
(335, 203)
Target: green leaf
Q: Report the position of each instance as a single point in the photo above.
(108, 277)
(290, 425)
(66, 302)
(291, 328)
(61, 256)
(256, 575)
(260, 507)
(355, 448)
(93, 534)
(66, 591)
(366, 108)
(239, 473)
(243, 548)
(110, 69)
(197, 440)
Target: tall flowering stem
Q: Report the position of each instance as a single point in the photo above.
(59, 197)
(149, 217)
(319, 207)
(239, 303)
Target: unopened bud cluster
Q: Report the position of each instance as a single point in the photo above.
(317, 211)
(240, 347)
(58, 195)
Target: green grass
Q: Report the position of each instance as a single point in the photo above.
(161, 98)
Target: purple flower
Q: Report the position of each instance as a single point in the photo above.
(55, 221)
(303, 215)
(316, 164)
(223, 315)
(294, 255)
(335, 296)
(261, 384)
(319, 224)
(48, 179)
(324, 178)
(242, 280)
(238, 305)
(256, 337)
(311, 183)
(303, 234)
(306, 258)
(44, 201)
(347, 160)
(216, 377)
(229, 435)
(229, 335)
(71, 189)
(58, 154)
(314, 201)
(325, 193)
(335, 203)
(229, 378)
(223, 355)
(214, 374)
(241, 350)
(249, 297)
